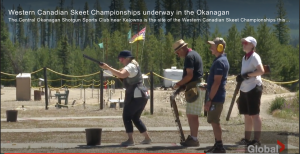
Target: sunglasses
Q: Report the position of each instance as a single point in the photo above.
(244, 43)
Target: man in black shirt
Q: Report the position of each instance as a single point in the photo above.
(192, 74)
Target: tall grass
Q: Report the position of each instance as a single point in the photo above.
(277, 104)
(285, 108)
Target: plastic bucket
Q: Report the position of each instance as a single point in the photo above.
(93, 136)
(11, 115)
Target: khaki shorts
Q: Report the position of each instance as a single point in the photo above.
(214, 115)
(195, 107)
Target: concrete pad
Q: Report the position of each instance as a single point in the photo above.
(66, 118)
(104, 129)
(202, 146)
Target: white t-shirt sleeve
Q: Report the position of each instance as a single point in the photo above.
(256, 60)
(131, 69)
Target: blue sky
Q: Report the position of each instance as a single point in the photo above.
(237, 9)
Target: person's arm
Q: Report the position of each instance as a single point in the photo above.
(215, 86)
(259, 71)
(120, 74)
(259, 68)
(187, 78)
(213, 91)
(123, 73)
(189, 67)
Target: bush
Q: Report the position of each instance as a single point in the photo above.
(278, 103)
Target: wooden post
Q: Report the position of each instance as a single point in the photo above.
(46, 88)
(151, 92)
(101, 89)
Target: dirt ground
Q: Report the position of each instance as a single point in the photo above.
(88, 105)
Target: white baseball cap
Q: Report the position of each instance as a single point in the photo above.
(250, 39)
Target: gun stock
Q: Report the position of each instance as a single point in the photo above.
(176, 113)
(267, 69)
(236, 91)
(92, 59)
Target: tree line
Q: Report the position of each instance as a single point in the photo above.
(59, 46)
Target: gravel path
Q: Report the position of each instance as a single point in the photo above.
(162, 117)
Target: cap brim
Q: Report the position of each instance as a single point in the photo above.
(210, 42)
(126, 57)
(244, 39)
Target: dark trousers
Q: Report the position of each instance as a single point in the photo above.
(132, 112)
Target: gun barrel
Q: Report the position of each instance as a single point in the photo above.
(92, 59)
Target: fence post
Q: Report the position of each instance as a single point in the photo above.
(151, 92)
(46, 88)
(101, 89)
(206, 94)
(93, 89)
(81, 88)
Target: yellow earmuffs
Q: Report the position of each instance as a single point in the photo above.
(220, 47)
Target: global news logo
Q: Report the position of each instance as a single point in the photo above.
(266, 149)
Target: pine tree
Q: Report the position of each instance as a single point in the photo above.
(248, 30)
(4, 49)
(281, 28)
(13, 27)
(69, 26)
(234, 50)
(182, 5)
(33, 29)
(172, 27)
(49, 33)
(98, 25)
(20, 28)
(116, 5)
(191, 26)
(265, 46)
(206, 26)
(168, 50)
(157, 25)
(87, 29)
(141, 6)
(57, 29)
(200, 25)
(43, 31)
(63, 54)
(62, 26)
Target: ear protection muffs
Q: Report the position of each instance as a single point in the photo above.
(220, 47)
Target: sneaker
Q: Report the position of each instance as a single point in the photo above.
(128, 143)
(216, 149)
(254, 142)
(243, 141)
(146, 141)
(190, 142)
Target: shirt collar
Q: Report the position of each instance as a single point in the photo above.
(190, 49)
(222, 55)
(247, 55)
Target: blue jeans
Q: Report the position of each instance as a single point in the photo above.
(132, 112)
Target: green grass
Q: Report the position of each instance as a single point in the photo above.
(287, 109)
(277, 104)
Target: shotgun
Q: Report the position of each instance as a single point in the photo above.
(92, 59)
(237, 88)
(176, 113)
